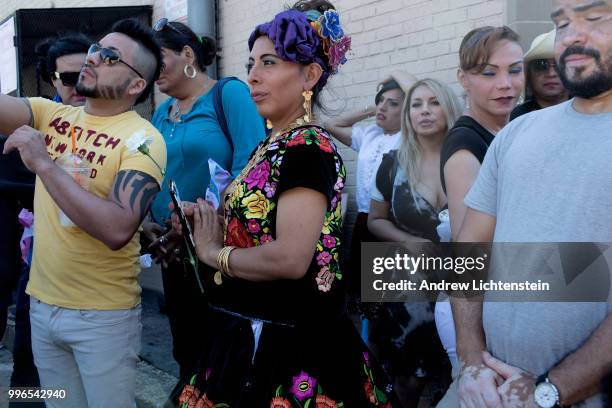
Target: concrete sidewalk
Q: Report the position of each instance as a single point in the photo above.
(152, 384)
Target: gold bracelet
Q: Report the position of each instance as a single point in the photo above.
(218, 278)
(223, 264)
(226, 268)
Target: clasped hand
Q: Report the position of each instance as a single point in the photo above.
(495, 384)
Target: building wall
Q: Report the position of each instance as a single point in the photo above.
(529, 18)
(421, 37)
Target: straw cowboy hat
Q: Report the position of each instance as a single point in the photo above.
(542, 47)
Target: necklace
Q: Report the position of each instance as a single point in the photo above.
(175, 110)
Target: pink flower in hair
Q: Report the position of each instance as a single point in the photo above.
(337, 52)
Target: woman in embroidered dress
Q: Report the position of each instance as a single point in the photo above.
(279, 336)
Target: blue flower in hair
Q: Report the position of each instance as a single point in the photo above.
(331, 25)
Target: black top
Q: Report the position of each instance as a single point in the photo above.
(410, 213)
(304, 157)
(529, 106)
(466, 134)
(16, 180)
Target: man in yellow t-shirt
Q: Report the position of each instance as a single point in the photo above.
(85, 297)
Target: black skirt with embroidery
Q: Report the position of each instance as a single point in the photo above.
(319, 365)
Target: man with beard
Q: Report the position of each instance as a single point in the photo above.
(543, 87)
(545, 354)
(85, 297)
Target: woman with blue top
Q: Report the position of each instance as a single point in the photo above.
(203, 119)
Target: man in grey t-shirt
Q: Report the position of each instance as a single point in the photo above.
(547, 177)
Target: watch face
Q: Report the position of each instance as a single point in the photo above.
(545, 395)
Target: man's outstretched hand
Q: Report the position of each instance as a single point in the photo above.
(31, 146)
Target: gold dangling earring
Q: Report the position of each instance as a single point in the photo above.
(308, 117)
(269, 124)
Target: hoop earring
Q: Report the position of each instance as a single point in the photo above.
(193, 71)
(308, 117)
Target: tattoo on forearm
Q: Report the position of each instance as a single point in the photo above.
(148, 195)
(117, 188)
(30, 113)
(129, 175)
(132, 184)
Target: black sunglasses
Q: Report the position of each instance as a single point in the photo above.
(542, 65)
(163, 23)
(110, 57)
(67, 78)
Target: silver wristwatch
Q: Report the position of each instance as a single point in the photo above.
(546, 394)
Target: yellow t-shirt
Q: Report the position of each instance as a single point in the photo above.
(70, 268)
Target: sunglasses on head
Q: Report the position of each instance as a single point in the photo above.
(110, 56)
(67, 78)
(542, 65)
(162, 23)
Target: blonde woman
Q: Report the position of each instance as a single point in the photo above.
(405, 202)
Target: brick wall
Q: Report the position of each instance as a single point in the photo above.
(419, 36)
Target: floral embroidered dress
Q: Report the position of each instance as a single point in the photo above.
(285, 343)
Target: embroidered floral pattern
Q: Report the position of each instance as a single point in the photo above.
(251, 206)
(374, 394)
(324, 402)
(280, 402)
(324, 280)
(190, 397)
(237, 235)
(306, 390)
(303, 386)
(258, 176)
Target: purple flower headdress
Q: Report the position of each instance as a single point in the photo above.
(307, 37)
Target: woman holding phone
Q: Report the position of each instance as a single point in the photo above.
(279, 334)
